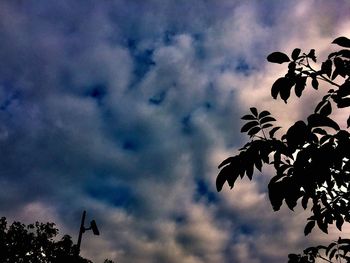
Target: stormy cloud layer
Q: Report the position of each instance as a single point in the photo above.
(125, 109)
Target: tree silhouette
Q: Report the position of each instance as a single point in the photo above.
(35, 243)
(312, 159)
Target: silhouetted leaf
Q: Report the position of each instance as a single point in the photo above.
(304, 201)
(319, 131)
(309, 226)
(263, 114)
(331, 255)
(339, 222)
(344, 89)
(348, 122)
(278, 57)
(291, 201)
(296, 53)
(312, 55)
(296, 134)
(326, 109)
(273, 131)
(267, 125)
(227, 161)
(254, 131)
(291, 69)
(258, 164)
(222, 177)
(317, 120)
(288, 83)
(248, 117)
(300, 85)
(276, 192)
(293, 258)
(339, 66)
(314, 83)
(344, 53)
(322, 225)
(276, 87)
(246, 127)
(254, 111)
(343, 103)
(335, 74)
(326, 67)
(344, 241)
(322, 103)
(267, 119)
(330, 246)
(250, 169)
(342, 41)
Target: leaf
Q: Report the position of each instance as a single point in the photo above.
(312, 55)
(250, 170)
(273, 131)
(276, 192)
(258, 163)
(293, 258)
(326, 67)
(344, 53)
(291, 202)
(248, 117)
(278, 57)
(296, 53)
(348, 122)
(339, 222)
(309, 226)
(326, 109)
(254, 131)
(285, 90)
(222, 177)
(331, 255)
(267, 119)
(319, 131)
(320, 105)
(263, 114)
(276, 87)
(246, 127)
(344, 241)
(296, 134)
(343, 103)
(335, 74)
(314, 83)
(339, 66)
(227, 161)
(342, 41)
(317, 120)
(267, 125)
(331, 245)
(322, 225)
(344, 89)
(300, 85)
(254, 111)
(304, 201)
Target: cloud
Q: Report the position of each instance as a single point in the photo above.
(125, 109)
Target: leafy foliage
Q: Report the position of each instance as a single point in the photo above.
(35, 243)
(312, 159)
(337, 250)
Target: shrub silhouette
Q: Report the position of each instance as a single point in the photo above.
(35, 243)
(312, 160)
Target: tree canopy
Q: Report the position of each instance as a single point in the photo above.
(36, 243)
(312, 159)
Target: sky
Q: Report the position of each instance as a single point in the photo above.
(125, 108)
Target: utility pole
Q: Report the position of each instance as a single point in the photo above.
(82, 230)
